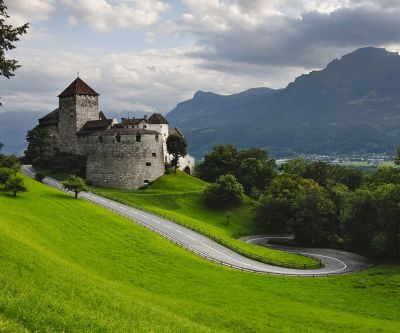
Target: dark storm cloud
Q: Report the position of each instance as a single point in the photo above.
(307, 41)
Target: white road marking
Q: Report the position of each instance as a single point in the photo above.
(310, 254)
(109, 203)
(243, 263)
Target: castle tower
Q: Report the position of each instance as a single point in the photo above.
(77, 104)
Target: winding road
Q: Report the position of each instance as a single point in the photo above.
(211, 250)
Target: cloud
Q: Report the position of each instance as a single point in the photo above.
(151, 80)
(298, 33)
(22, 11)
(103, 15)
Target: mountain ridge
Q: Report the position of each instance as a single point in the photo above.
(352, 106)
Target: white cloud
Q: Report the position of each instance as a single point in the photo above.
(23, 11)
(136, 81)
(102, 15)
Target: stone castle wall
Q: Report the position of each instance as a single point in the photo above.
(127, 164)
(74, 112)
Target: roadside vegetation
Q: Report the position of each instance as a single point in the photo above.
(180, 197)
(323, 205)
(10, 180)
(69, 266)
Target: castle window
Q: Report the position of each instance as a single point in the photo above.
(100, 139)
(148, 164)
(118, 137)
(138, 138)
(144, 126)
(157, 138)
(154, 154)
(146, 181)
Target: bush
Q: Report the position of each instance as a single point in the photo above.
(225, 191)
(379, 245)
(5, 174)
(40, 176)
(62, 164)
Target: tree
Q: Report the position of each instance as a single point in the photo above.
(314, 220)
(176, 146)
(37, 143)
(74, 184)
(8, 36)
(274, 207)
(353, 178)
(317, 171)
(1, 146)
(254, 169)
(224, 192)
(296, 166)
(5, 175)
(396, 159)
(358, 220)
(15, 184)
(388, 216)
(221, 161)
(384, 175)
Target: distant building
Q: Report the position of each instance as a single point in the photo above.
(127, 154)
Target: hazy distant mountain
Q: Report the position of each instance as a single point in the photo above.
(351, 106)
(13, 128)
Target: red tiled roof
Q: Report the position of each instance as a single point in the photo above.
(94, 126)
(50, 119)
(157, 118)
(78, 87)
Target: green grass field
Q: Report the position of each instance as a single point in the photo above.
(179, 197)
(70, 266)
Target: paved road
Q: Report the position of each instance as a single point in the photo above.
(334, 260)
(195, 242)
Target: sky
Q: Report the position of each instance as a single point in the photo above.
(149, 55)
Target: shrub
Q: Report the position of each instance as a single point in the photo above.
(74, 184)
(5, 174)
(40, 176)
(225, 191)
(15, 184)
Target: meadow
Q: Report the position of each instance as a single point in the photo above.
(179, 197)
(70, 266)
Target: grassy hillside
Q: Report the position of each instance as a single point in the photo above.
(179, 197)
(68, 265)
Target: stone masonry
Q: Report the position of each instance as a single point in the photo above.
(126, 155)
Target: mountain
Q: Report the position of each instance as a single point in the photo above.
(13, 129)
(350, 107)
(15, 125)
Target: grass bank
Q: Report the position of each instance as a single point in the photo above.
(179, 197)
(70, 266)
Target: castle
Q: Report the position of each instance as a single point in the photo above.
(126, 155)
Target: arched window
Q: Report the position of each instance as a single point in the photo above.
(118, 137)
(138, 138)
(100, 139)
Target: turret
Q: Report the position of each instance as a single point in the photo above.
(78, 103)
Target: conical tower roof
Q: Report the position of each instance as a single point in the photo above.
(78, 87)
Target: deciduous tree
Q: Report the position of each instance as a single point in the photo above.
(176, 146)
(75, 184)
(224, 192)
(8, 36)
(15, 184)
